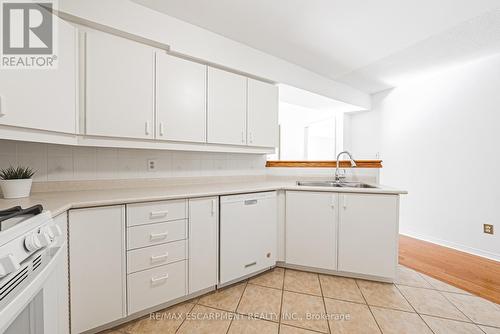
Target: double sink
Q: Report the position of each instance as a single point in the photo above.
(335, 184)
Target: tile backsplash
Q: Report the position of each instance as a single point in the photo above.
(63, 163)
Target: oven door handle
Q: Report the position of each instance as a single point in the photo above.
(10, 312)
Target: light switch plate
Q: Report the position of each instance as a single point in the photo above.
(151, 165)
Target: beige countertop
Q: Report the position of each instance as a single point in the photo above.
(60, 201)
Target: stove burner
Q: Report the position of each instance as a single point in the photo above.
(17, 212)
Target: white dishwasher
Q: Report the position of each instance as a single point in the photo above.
(248, 234)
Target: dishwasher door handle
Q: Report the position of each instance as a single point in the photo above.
(250, 202)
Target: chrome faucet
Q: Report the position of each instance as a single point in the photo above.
(353, 164)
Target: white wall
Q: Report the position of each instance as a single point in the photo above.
(197, 42)
(64, 163)
(439, 138)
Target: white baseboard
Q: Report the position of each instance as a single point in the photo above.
(453, 245)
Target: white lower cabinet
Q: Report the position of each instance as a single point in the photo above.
(368, 234)
(156, 286)
(311, 229)
(248, 234)
(203, 243)
(97, 266)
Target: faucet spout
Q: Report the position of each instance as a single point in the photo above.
(353, 164)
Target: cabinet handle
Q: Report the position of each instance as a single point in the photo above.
(332, 204)
(158, 214)
(242, 136)
(159, 257)
(344, 201)
(250, 202)
(250, 264)
(157, 279)
(213, 207)
(147, 128)
(162, 129)
(251, 137)
(153, 236)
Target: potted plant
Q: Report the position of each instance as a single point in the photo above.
(16, 181)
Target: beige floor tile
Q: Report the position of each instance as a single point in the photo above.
(165, 321)
(284, 329)
(347, 318)
(245, 325)
(340, 288)
(271, 279)
(224, 299)
(490, 330)
(301, 281)
(442, 286)
(479, 310)
(446, 326)
(399, 322)
(431, 302)
(407, 276)
(383, 294)
(304, 311)
(261, 302)
(205, 320)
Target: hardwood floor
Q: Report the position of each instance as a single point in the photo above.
(468, 272)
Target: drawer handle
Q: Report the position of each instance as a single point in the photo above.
(159, 257)
(158, 214)
(250, 202)
(250, 264)
(158, 279)
(154, 236)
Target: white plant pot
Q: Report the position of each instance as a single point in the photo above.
(16, 188)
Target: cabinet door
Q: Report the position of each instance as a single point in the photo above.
(119, 87)
(43, 99)
(262, 114)
(368, 234)
(203, 246)
(311, 229)
(181, 99)
(97, 266)
(227, 107)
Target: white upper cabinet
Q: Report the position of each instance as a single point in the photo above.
(43, 99)
(180, 99)
(119, 87)
(262, 114)
(227, 107)
(368, 234)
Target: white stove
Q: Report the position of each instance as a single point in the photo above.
(30, 248)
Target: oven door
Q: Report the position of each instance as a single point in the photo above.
(35, 305)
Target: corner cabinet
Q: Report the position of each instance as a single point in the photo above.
(368, 234)
(181, 111)
(97, 266)
(311, 229)
(119, 87)
(262, 114)
(227, 107)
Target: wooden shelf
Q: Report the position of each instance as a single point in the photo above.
(325, 164)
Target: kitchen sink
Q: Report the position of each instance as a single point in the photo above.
(334, 184)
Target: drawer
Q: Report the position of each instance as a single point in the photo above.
(155, 212)
(156, 286)
(155, 256)
(155, 234)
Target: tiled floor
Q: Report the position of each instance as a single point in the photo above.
(294, 302)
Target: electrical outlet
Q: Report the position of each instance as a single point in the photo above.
(151, 165)
(488, 228)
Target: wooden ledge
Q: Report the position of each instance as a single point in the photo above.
(325, 164)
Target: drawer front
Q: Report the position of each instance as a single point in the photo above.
(155, 256)
(155, 212)
(155, 234)
(156, 286)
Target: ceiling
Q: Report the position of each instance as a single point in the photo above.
(355, 41)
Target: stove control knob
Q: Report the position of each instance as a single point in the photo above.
(32, 243)
(8, 264)
(55, 231)
(44, 238)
